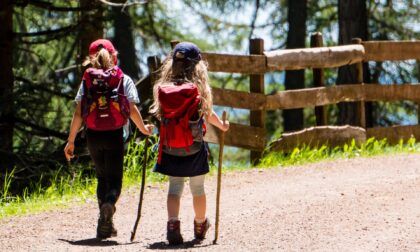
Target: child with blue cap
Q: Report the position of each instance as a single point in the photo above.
(185, 74)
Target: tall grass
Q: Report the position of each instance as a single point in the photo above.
(134, 161)
(68, 186)
(63, 189)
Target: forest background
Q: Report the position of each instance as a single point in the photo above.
(42, 45)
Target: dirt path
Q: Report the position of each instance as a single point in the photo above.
(349, 205)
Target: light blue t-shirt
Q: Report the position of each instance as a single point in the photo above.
(130, 91)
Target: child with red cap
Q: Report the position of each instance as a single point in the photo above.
(105, 101)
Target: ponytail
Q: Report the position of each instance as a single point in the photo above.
(102, 59)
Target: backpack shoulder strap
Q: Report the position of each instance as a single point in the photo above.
(86, 77)
(120, 87)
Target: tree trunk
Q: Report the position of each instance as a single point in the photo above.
(293, 118)
(125, 44)
(352, 16)
(6, 84)
(92, 28)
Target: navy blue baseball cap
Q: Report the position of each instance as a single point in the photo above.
(189, 51)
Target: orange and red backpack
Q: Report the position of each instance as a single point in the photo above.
(104, 105)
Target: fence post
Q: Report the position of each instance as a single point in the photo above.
(153, 63)
(318, 80)
(174, 43)
(257, 117)
(359, 80)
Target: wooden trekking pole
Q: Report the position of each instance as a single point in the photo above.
(143, 181)
(219, 179)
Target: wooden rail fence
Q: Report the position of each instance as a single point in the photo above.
(254, 137)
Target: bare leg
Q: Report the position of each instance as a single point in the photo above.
(199, 203)
(173, 204)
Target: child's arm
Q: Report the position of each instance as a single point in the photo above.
(215, 120)
(75, 125)
(138, 120)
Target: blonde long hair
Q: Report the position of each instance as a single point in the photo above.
(102, 59)
(199, 77)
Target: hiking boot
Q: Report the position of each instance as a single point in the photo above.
(200, 229)
(173, 234)
(105, 227)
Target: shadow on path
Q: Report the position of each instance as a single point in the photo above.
(94, 242)
(196, 243)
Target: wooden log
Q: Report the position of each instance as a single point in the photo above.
(320, 57)
(395, 133)
(393, 92)
(227, 63)
(238, 99)
(310, 97)
(391, 50)
(243, 136)
(317, 136)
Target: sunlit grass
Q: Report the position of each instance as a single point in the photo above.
(69, 187)
(304, 154)
(63, 190)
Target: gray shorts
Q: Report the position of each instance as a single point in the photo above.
(176, 185)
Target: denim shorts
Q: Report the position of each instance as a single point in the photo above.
(176, 185)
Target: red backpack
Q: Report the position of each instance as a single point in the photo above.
(104, 105)
(181, 127)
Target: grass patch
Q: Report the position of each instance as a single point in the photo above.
(64, 189)
(304, 154)
(69, 188)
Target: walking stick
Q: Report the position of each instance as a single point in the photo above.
(219, 179)
(143, 181)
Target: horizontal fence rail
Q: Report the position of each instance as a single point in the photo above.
(391, 50)
(227, 63)
(243, 136)
(239, 99)
(317, 57)
(311, 97)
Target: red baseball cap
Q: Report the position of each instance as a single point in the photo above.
(96, 45)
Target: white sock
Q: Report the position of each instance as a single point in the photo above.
(199, 221)
(173, 218)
